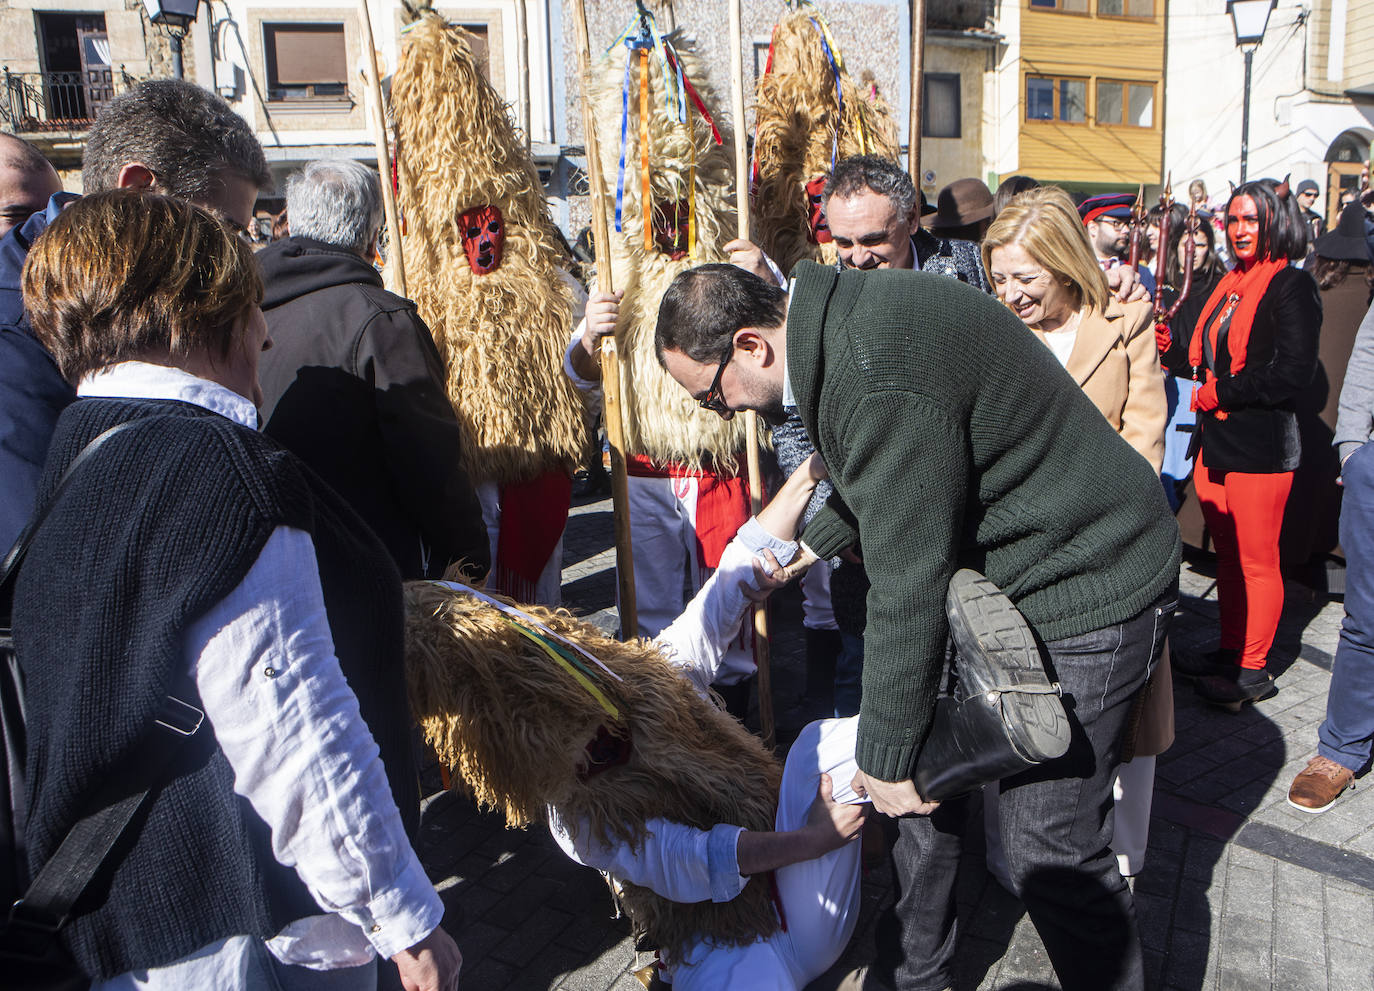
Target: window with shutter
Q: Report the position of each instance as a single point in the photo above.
(305, 61)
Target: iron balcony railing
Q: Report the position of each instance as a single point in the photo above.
(58, 101)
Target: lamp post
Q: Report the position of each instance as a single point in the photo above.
(175, 17)
(1249, 18)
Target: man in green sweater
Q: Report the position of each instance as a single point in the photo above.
(954, 439)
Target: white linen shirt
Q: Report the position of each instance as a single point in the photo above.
(264, 664)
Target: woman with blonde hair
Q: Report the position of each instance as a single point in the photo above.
(1042, 267)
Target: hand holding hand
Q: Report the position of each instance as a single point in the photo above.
(431, 964)
(893, 798)
(799, 565)
(747, 255)
(768, 575)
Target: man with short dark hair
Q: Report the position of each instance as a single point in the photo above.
(1108, 220)
(166, 135)
(27, 182)
(354, 385)
(954, 441)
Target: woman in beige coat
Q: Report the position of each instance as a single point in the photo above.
(1042, 267)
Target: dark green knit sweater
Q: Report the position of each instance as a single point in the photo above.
(955, 439)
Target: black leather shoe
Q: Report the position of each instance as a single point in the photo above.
(1223, 661)
(1005, 715)
(1234, 689)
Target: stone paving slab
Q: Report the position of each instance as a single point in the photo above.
(1239, 890)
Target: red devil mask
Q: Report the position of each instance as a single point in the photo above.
(815, 217)
(483, 237)
(670, 229)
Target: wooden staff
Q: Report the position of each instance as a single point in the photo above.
(610, 363)
(522, 67)
(918, 63)
(762, 654)
(378, 113)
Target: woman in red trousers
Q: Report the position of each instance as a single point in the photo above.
(1254, 350)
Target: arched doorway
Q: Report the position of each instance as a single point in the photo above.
(1346, 159)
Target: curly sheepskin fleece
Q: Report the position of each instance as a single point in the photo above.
(502, 335)
(662, 421)
(515, 727)
(797, 115)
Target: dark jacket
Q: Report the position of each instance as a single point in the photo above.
(33, 393)
(955, 439)
(1260, 430)
(354, 387)
(164, 523)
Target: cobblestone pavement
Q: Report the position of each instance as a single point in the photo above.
(1240, 891)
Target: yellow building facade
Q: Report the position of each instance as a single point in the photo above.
(1091, 80)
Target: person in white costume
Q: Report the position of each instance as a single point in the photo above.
(813, 850)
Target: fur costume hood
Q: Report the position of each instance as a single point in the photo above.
(501, 332)
(801, 131)
(662, 421)
(522, 730)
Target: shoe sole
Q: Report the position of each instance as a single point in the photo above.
(1319, 811)
(1235, 705)
(980, 613)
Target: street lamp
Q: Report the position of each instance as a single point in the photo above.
(1249, 18)
(175, 17)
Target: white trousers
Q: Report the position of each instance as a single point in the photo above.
(820, 898)
(548, 590)
(667, 570)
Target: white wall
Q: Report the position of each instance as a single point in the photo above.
(1289, 129)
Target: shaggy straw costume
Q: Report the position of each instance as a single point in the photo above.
(502, 334)
(515, 725)
(662, 422)
(796, 118)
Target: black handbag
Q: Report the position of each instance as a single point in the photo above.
(31, 956)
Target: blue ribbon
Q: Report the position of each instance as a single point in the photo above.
(839, 91)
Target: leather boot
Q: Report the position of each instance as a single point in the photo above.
(1240, 685)
(1222, 661)
(1005, 715)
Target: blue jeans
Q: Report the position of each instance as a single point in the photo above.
(1346, 733)
(1056, 822)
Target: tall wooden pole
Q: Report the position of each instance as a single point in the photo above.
(762, 653)
(395, 259)
(918, 63)
(610, 363)
(522, 68)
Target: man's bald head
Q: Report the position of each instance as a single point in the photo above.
(27, 180)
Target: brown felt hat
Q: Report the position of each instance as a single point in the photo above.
(962, 202)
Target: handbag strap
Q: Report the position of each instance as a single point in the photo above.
(10, 567)
(35, 919)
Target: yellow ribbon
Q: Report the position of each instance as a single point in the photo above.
(562, 662)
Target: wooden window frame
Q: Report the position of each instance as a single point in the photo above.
(1089, 89)
(1060, 11)
(1125, 85)
(1152, 16)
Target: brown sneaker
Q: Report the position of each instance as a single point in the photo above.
(1317, 788)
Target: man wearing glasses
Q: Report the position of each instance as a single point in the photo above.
(953, 442)
(1108, 219)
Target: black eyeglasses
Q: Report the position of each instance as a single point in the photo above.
(713, 400)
